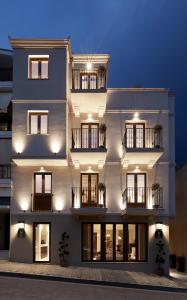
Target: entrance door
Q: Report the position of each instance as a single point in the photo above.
(89, 190)
(136, 189)
(42, 242)
(89, 136)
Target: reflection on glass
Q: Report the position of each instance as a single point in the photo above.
(87, 242)
(42, 242)
(109, 241)
(96, 241)
(119, 241)
(132, 242)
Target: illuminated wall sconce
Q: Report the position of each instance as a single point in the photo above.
(21, 229)
(90, 119)
(136, 116)
(89, 66)
(158, 230)
(137, 169)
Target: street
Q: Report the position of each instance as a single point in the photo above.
(18, 289)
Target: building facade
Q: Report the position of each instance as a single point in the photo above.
(92, 161)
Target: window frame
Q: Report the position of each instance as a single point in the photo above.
(134, 125)
(125, 242)
(34, 239)
(39, 59)
(89, 74)
(43, 183)
(136, 203)
(38, 114)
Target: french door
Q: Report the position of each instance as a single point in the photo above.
(89, 135)
(135, 135)
(42, 192)
(42, 232)
(88, 81)
(136, 189)
(89, 190)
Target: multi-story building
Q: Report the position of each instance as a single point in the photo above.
(92, 161)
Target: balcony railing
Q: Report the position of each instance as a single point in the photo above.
(143, 138)
(88, 198)
(84, 80)
(42, 202)
(143, 197)
(5, 127)
(5, 172)
(88, 138)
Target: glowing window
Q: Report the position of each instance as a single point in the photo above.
(38, 67)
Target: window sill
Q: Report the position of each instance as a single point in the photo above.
(38, 79)
(38, 134)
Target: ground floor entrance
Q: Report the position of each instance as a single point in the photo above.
(4, 230)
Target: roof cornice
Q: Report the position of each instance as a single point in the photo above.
(94, 58)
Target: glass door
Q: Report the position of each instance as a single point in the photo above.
(89, 136)
(136, 189)
(41, 242)
(135, 135)
(89, 190)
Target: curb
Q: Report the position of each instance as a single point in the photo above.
(93, 282)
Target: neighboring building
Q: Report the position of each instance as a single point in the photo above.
(178, 225)
(5, 148)
(95, 162)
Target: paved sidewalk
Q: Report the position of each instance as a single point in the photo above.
(81, 273)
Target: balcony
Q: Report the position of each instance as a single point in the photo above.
(5, 176)
(88, 146)
(89, 201)
(142, 200)
(142, 146)
(88, 92)
(42, 202)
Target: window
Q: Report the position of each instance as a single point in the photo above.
(89, 135)
(89, 190)
(41, 242)
(38, 67)
(136, 189)
(38, 123)
(42, 200)
(88, 81)
(114, 242)
(135, 135)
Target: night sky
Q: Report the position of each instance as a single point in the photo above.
(147, 40)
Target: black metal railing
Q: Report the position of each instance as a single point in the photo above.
(88, 197)
(42, 202)
(84, 80)
(5, 127)
(143, 197)
(140, 138)
(5, 171)
(88, 138)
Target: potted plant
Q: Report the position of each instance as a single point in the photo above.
(155, 194)
(63, 252)
(160, 260)
(101, 188)
(102, 130)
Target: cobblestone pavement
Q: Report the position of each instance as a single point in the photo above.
(27, 289)
(93, 274)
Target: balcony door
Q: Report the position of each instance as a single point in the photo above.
(89, 190)
(136, 189)
(42, 192)
(90, 135)
(88, 81)
(135, 135)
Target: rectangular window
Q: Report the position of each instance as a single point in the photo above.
(41, 242)
(114, 242)
(135, 135)
(38, 67)
(42, 198)
(38, 123)
(88, 81)
(136, 189)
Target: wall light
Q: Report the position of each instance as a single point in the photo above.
(19, 146)
(90, 119)
(136, 116)
(158, 230)
(137, 169)
(89, 66)
(21, 229)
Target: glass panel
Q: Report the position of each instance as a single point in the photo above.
(142, 242)
(42, 242)
(141, 188)
(87, 242)
(129, 136)
(47, 184)
(94, 136)
(109, 241)
(44, 69)
(96, 241)
(94, 189)
(139, 136)
(43, 125)
(132, 242)
(34, 124)
(85, 136)
(38, 184)
(84, 191)
(84, 79)
(34, 69)
(131, 188)
(119, 241)
(93, 81)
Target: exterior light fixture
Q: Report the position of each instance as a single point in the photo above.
(137, 169)
(136, 116)
(21, 229)
(158, 230)
(89, 66)
(90, 119)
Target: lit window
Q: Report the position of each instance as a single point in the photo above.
(38, 123)
(38, 67)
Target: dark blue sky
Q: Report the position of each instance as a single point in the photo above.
(146, 38)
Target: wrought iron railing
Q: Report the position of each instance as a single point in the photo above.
(42, 202)
(88, 197)
(91, 138)
(84, 80)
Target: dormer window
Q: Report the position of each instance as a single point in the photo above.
(38, 66)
